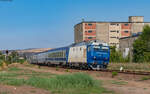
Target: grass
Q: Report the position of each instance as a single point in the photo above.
(14, 69)
(68, 84)
(78, 83)
(130, 66)
(119, 82)
(114, 74)
(145, 78)
(4, 93)
(67, 70)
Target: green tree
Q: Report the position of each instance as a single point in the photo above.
(14, 56)
(141, 46)
(116, 56)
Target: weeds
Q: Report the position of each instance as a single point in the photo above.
(4, 93)
(57, 68)
(78, 83)
(130, 66)
(114, 74)
(119, 82)
(67, 70)
(14, 69)
(145, 78)
(39, 66)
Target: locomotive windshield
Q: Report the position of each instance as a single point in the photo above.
(100, 48)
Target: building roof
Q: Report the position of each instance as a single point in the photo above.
(133, 35)
(107, 22)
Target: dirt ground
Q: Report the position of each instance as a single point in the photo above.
(5, 89)
(120, 84)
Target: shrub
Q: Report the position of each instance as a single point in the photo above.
(145, 78)
(57, 68)
(141, 46)
(114, 74)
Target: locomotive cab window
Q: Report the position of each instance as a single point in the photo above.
(105, 48)
(97, 48)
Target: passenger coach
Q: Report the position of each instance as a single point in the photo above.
(92, 54)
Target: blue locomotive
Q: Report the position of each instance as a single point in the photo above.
(84, 55)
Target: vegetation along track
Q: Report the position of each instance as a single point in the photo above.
(128, 72)
(111, 70)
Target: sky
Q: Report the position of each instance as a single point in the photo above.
(50, 23)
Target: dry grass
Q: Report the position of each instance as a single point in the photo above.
(77, 83)
(130, 66)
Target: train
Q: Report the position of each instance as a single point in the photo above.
(85, 55)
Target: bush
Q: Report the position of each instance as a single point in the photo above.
(114, 74)
(116, 56)
(1, 63)
(141, 46)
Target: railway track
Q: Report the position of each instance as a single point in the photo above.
(110, 70)
(124, 71)
(127, 72)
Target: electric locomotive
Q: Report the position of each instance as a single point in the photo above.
(93, 54)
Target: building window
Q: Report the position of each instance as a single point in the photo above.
(89, 24)
(126, 24)
(112, 31)
(126, 31)
(90, 31)
(113, 37)
(89, 37)
(112, 24)
(117, 31)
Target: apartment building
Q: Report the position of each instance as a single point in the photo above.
(109, 32)
(85, 31)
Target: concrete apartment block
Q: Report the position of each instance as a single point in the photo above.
(109, 32)
(114, 33)
(102, 32)
(85, 31)
(137, 27)
(78, 34)
(135, 19)
(89, 31)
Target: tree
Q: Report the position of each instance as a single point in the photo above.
(141, 46)
(116, 56)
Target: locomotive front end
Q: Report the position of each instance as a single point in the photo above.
(98, 55)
